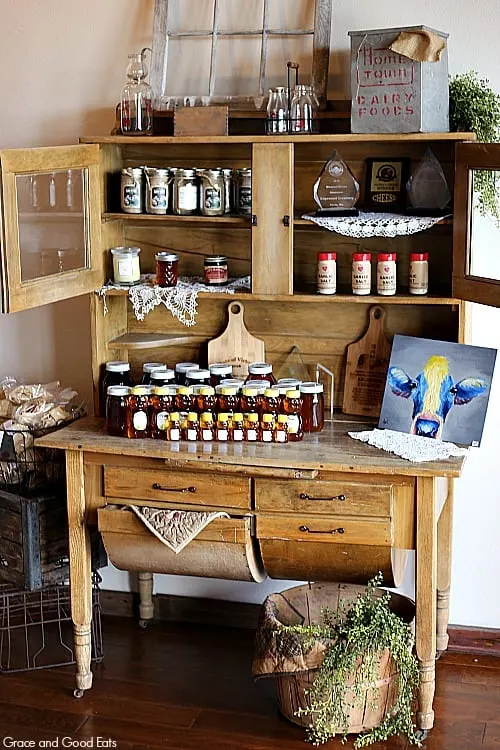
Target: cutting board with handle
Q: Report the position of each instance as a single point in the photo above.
(366, 369)
(236, 345)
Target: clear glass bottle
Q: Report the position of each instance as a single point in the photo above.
(301, 110)
(277, 111)
(136, 111)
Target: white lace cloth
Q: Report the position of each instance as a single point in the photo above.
(181, 300)
(175, 528)
(371, 224)
(411, 447)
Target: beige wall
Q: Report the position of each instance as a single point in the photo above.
(62, 66)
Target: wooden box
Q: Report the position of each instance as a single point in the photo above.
(201, 121)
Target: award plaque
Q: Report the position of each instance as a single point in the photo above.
(386, 184)
(336, 190)
(428, 192)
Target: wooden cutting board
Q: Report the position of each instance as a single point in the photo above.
(366, 369)
(236, 345)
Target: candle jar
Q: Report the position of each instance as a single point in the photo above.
(126, 265)
(167, 269)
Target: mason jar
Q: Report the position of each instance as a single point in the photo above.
(157, 189)
(185, 192)
(132, 194)
(212, 192)
(243, 191)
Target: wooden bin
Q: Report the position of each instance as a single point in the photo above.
(379, 699)
(224, 549)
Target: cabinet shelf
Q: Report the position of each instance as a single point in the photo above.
(153, 340)
(243, 221)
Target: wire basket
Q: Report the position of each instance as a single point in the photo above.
(26, 468)
(36, 628)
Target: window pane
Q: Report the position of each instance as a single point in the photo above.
(194, 15)
(240, 16)
(240, 54)
(484, 253)
(188, 67)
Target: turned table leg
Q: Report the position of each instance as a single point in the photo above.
(426, 576)
(146, 606)
(444, 541)
(80, 570)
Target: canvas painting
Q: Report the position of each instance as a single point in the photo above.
(437, 389)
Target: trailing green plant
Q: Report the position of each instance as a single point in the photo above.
(355, 637)
(475, 107)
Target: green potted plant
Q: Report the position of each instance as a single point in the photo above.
(475, 107)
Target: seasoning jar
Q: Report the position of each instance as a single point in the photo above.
(313, 406)
(131, 197)
(243, 185)
(218, 372)
(251, 427)
(185, 192)
(115, 373)
(236, 427)
(212, 192)
(386, 274)
(267, 428)
(222, 428)
(126, 265)
(157, 185)
(215, 270)
(261, 371)
(167, 269)
(148, 368)
(162, 376)
(198, 377)
(361, 273)
(181, 370)
(292, 407)
(419, 273)
(116, 408)
(207, 426)
(136, 420)
(280, 434)
(160, 406)
(327, 273)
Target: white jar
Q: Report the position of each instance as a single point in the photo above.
(126, 266)
(327, 273)
(418, 281)
(386, 274)
(361, 273)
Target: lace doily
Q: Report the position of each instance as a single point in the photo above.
(181, 300)
(371, 224)
(411, 447)
(175, 528)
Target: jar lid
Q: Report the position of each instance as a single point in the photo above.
(271, 393)
(220, 368)
(293, 394)
(268, 418)
(252, 417)
(292, 382)
(387, 256)
(185, 366)
(327, 256)
(282, 389)
(207, 390)
(361, 256)
(244, 171)
(236, 382)
(260, 368)
(174, 416)
(118, 390)
(184, 390)
(237, 416)
(250, 391)
(162, 390)
(311, 387)
(132, 171)
(117, 366)
(211, 260)
(223, 416)
(207, 416)
(228, 390)
(150, 366)
(141, 390)
(182, 172)
(166, 257)
(282, 418)
(162, 374)
(419, 256)
(158, 171)
(197, 374)
(192, 416)
(123, 251)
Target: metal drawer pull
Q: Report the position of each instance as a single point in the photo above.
(306, 529)
(157, 486)
(305, 496)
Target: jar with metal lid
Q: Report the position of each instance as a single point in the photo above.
(215, 270)
(132, 190)
(212, 192)
(126, 265)
(115, 373)
(162, 376)
(181, 370)
(260, 371)
(157, 183)
(419, 273)
(233, 382)
(290, 383)
(116, 409)
(243, 191)
(167, 269)
(386, 274)
(137, 416)
(198, 377)
(185, 192)
(219, 371)
(148, 368)
(313, 406)
(228, 190)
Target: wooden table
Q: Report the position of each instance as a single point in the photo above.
(394, 503)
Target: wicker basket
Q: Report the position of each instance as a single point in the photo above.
(379, 698)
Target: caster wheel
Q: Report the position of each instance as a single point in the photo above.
(421, 734)
(144, 624)
(78, 693)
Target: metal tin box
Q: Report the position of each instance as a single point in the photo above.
(392, 93)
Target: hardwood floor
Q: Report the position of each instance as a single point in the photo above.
(188, 687)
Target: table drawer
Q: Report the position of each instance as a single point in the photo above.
(344, 497)
(179, 487)
(336, 529)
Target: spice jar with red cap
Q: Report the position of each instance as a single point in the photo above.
(327, 273)
(418, 281)
(386, 274)
(361, 273)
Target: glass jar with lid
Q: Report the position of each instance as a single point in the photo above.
(115, 373)
(302, 110)
(116, 409)
(243, 191)
(215, 270)
(185, 192)
(126, 265)
(198, 377)
(157, 190)
(212, 192)
(148, 368)
(181, 370)
(136, 108)
(292, 407)
(162, 376)
(161, 402)
(260, 371)
(313, 406)
(167, 269)
(219, 371)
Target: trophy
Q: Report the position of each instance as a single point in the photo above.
(336, 190)
(427, 189)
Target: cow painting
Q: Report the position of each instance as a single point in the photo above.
(434, 393)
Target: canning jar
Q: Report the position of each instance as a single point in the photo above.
(215, 270)
(198, 377)
(228, 190)
(157, 185)
(116, 408)
(126, 265)
(313, 406)
(131, 198)
(167, 269)
(162, 376)
(148, 368)
(115, 373)
(243, 190)
(219, 371)
(212, 192)
(185, 192)
(261, 371)
(181, 370)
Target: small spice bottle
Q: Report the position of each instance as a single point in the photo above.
(160, 406)
(148, 368)
(162, 376)
(251, 427)
(174, 426)
(181, 370)
(222, 429)
(207, 426)
(136, 420)
(236, 427)
(206, 399)
(167, 269)
(198, 377)
(386, 274)
(280, 434)
(361, 273)
(192, 431)
(215, 270)
(267, 426)
(313, 406)
(218, 372)
(116, 408)
(292, 407)
(327, 273)
(419, 273)
(260, 371)
(115, 373)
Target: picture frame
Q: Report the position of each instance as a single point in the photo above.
(385, 187)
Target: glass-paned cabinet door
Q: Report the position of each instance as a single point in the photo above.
(476, 223)
(51, 225)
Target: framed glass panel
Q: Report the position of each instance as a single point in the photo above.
(483, 258)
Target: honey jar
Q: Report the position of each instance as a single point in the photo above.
(313, 406)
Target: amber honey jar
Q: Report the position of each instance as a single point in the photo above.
(280, 434)
(137, 417)
(167, 269)
(191, 431)
(222, 427)
(219, 372)
(236, 427)
(271, 403)
(267, 428)
(116, 409)
(115, 373)
(228, 399)
(182, 400)
(292, 407)
(162, 376)
(160, 406)
(313, 406)
(206, 399)
(249, 400)
(251, 431)
(207, 426)
(198, 377)
(260, 371)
